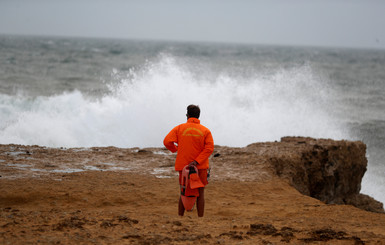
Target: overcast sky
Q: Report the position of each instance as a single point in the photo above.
(337, 23)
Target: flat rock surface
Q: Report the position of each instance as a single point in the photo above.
(108, 195)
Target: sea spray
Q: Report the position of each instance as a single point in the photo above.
(373, 183)
(145, 104)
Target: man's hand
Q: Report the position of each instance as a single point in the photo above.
(193, 163)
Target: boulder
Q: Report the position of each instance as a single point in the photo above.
(328, 170)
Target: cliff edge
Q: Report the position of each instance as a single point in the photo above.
(328, 170)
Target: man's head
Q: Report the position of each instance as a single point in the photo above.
(193, 111)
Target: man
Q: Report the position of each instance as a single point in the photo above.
(194, 144)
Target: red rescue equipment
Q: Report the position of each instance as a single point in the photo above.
(189, 186)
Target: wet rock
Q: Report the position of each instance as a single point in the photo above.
(177, 223)
(107, 224)
(233, 234)
(143, 151)
(328, 170)
(325, 235)
(73, 223)
(125, 219)
(131, 235)
(264, 229)
(287, 234)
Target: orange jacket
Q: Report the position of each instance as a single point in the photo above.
(192, 141)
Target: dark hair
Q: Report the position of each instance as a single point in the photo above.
(193, 111)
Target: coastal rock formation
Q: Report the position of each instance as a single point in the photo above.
(325, 169)
(328, 170)
(257, 194)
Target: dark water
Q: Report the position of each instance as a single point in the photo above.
(88, 92)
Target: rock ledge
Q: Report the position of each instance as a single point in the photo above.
(328, 170)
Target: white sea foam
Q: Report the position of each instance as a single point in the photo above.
(18, 166)
(67, 170)
(15, 153)
(373, 183)
(162, 153)
(144, 106)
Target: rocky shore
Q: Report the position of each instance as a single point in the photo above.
(296, 191)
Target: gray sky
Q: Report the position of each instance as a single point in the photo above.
(338, 23)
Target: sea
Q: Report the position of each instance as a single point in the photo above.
(78, 92)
